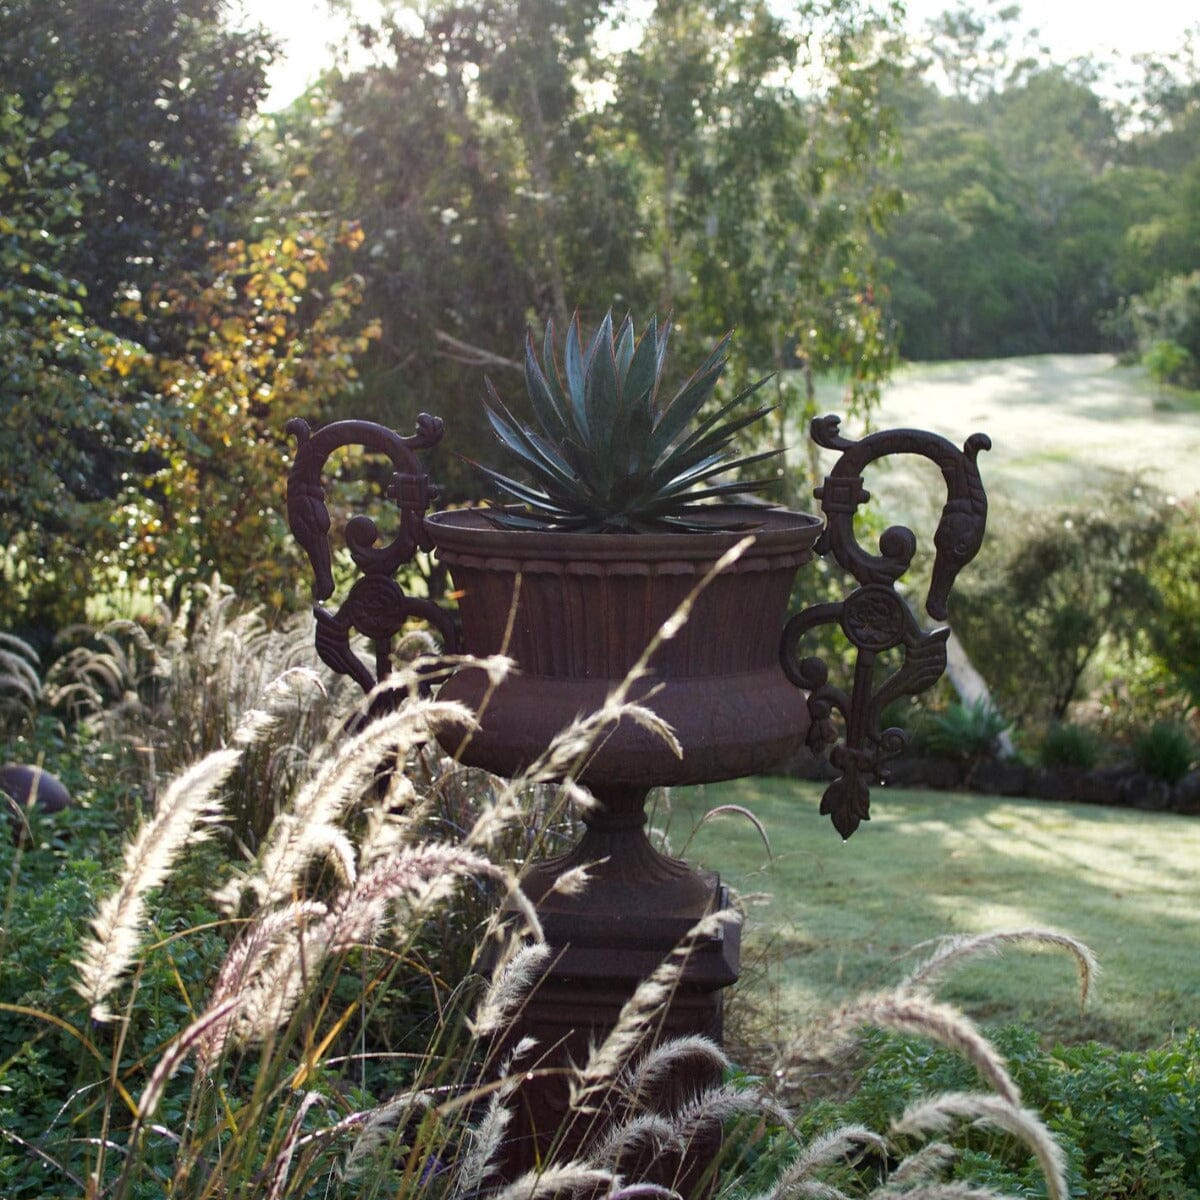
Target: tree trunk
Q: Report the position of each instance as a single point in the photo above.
(667, 294)
(546, 205)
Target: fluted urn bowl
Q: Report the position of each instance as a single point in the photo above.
(577, 611)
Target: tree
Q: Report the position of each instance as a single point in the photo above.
(120, 462)
(1174, 634)
(980, 51)
(1166, 323)
(71, 409)
(158, 455)
(509, 166)
(471, 163)
(1035, 203)
(970, 279)
(766, 190)
(272, 336)
(163, 88)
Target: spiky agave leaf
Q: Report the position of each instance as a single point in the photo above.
(609, 454)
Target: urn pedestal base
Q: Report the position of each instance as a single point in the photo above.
(605, 940)
(595, 969)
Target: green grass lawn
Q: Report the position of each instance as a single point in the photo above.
(1061, 426)
(831, 919)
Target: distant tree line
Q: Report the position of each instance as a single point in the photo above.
(1038, 200)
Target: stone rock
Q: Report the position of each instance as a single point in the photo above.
(1185, 796)
(1101, 787)
(1000, 777)
(28, 786)
(1052, 783)
(918, 771)
(1144, 792)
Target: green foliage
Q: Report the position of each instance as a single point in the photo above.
(347, 1065)
(168, 465)
(72, 406)
(513, 157)
(163, 129)
(1068, 745)
(964, 732)
(1173, 635)
(271, 333)
(767, 143)
(1034, 206)
(1165, 751)
(1012, 218)
(1127, 1121)
(1168, 362)
(119, 181)
(612, 453)
(1054, 591)
(1166, 321)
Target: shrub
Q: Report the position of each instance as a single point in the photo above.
(1167, 323)
(1066, 745)
(1168, 362)
(964, 732)
(1164, 751)
(1174, 632)
(1055, 591)
(1127, 1121)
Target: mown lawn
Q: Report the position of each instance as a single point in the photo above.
(1062, 426)
(829, 919)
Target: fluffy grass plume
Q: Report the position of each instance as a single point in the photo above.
(517, 971)
(941, 1113)
(648, 1081)
(903, 1012)
(924, 1165)
(844, 1144)
(612, 1056)
(268, 972)
(301, 837)
(571, 1181)
(954, 950)
(187, 807)
(377, 1127)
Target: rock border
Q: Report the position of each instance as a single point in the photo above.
(1122, 786)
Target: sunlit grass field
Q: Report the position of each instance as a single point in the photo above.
(828, 919)
(1062, 426)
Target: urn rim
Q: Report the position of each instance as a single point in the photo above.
(774, 530)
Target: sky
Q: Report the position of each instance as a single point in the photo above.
(1069, 27)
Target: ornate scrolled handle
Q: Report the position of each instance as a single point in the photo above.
(874, 617)
(376, 605)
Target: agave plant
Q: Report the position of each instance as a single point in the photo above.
(612, 454)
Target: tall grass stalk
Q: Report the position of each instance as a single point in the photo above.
(189, 805)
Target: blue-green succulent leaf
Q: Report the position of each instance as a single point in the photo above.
(541, 395)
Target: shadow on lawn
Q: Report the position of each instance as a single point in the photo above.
(931, 864)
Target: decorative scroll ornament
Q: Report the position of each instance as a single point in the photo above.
(874, 617)
(376, 605)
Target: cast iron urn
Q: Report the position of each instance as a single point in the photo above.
(576, 612)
